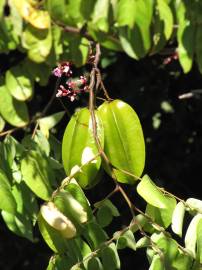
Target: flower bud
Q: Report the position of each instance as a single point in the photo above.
(57, 220)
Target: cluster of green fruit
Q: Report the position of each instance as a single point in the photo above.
(120, 137)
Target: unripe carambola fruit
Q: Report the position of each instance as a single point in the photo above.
(79, 148)
(70, 206)
(123, 140)
(57, 220)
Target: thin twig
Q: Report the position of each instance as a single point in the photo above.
(115, 190)
(82, 32)
(94, 123)
(47, 106)
(115, 237)
(64, 107)
(8, 132)
(67, 179)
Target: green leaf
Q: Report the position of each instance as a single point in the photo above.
(138, 222)
(107, 203)
(52, 237)
(7, 201)
(94, 235)
(57, 46)
(56, 147)
(191, 235)
(110, 257)
(143, 242)
(131, 42)
(163, 25)
(16, 21)
(100, 15)
(126, 240)
(19, 83)
(194, 204)
(2, 4)
(26, 201)
(150, 254)
(198, 37)
(37, 72)
(78, 147)
(185, 33)
(168, 246)
(162, 216)
(123, 140)
(94, 263)
(42, 142)
(157, 263)
(37, 174)
(12, 149)
(60, 262)
(2, 124)
(82, 246)
(74, 12)
(151, 193)
(76, 191)
(35, 16)
(57, 9)
(136, 42)
(78, 50)
(126, 12)
(19, 224)
(10, 28)
(46, 123)
(105, 39)
(5, 166)
(178, 218)
(106, 211)
(13, 111)
(39, 143)
(104, 216)
(199, 241)
(37, 42)
(182, 262)
(86, 8)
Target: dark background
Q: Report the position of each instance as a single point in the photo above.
(173, 149)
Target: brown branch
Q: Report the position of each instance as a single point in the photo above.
(82, 32)
(74, 30)
(115, 190)
(10, 131)
(115, 237)
(94, 123)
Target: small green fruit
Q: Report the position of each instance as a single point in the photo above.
(57, 220)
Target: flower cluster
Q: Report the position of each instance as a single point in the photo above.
(63, 68)
(73, 87)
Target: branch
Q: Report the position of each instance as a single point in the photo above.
(47, 106)
(82, 32)
(115, 236)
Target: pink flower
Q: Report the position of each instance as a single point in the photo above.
(57, 72)
(63, 69)
(62, 92)
(72, 97)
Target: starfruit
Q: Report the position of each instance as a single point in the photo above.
(79, 148)
(123, 141)
(57, 220)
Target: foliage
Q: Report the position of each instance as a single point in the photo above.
(97, 138)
